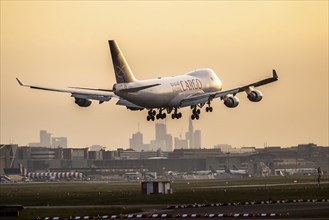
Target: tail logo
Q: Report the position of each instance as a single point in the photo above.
(120, 71)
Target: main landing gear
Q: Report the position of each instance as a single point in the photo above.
(161, 115)
(152, 115)
(176, 114)
(208, 108)
(195, 113)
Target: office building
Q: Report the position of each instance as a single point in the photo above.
(59, 142)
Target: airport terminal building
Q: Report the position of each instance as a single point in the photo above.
(179, 160)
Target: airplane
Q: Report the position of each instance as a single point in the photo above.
(235, 171)
(194, 89)
(49, 175)
(293, 171)
(238, 171)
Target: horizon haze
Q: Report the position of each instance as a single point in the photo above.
(61, 44)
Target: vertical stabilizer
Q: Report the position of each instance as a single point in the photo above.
(123, 73)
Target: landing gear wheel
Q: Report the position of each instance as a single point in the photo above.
(197, 117)
(192, 117)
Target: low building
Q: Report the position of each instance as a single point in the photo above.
(156, 187)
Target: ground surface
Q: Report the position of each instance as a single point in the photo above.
(100, 198)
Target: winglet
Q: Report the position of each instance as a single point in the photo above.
(275, 75)
(20, 82)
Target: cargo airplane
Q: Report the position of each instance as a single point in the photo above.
(163, 95)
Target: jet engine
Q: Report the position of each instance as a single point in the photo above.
(231, 101)
(255, 95)
(82, 102)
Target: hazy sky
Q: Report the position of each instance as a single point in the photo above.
(61, 43)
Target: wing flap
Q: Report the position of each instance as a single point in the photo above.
(136, 89)
(129, 105)
(195, 99)
(93, 89)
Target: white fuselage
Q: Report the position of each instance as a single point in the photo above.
(170, 91)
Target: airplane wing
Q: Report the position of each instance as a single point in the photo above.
(128, 90)
(202, 98)
(101, 97)
(245, 88)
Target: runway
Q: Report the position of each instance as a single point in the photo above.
(280, 209)
(298, 210)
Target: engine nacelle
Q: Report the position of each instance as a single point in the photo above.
(231, 101)
(255, 96)
(82, 102)
(134, 109)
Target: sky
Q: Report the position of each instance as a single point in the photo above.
(65, 43)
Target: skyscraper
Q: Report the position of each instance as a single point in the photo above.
(193, 138)
(45, 138)
(136, 142)
(197, 139)
(160, 131)
(162, 139)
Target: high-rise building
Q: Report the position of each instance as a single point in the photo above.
(59, 142)
(162, 139)
(180, 143)
(169, 143)
(136, 142)
(193, 138)
(160, 131)
(197, 139)
(45, 138)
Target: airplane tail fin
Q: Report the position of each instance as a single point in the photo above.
(123, 73)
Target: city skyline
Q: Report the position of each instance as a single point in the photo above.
(61, 44)
(136, 142)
